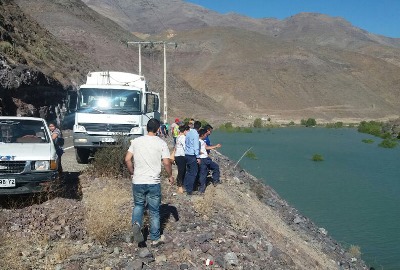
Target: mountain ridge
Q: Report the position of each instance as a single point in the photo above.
(308, 65)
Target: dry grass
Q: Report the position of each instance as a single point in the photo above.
(13, 252)
(106, 211)
(355, 251)
(60, 252)
(216, 198)
(110, 161)
(206, 204)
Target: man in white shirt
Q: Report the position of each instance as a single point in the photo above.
(147, 152)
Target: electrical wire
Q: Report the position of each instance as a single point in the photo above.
(165, 28)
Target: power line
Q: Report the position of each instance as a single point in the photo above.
(165, 28)
(165, 67)
(123, 10)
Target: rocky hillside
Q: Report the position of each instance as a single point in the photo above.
(36, 69)
(231, 66)
(94, 232)
(225, 66)
(39, 65)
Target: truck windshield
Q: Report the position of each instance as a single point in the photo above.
(111, 101)
(23, 131)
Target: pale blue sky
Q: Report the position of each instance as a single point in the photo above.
(376, 16)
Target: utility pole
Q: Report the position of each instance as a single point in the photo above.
(165, 67)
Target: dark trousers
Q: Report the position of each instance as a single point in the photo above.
(180, 162)
(191, 173)
(206, 165)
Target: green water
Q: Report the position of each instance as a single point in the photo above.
(354, 193)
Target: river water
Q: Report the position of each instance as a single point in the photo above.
(354, 193)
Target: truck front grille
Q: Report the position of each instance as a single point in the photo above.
(12, 166)
(109, 127)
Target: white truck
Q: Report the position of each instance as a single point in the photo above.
(108, 105)
(28, 159)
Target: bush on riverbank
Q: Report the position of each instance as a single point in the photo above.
(258, 123)
(371, 127)
(228, 127)
(334, 125)
(388, 143)
(355, 251)
(378, 129)
(310, 122)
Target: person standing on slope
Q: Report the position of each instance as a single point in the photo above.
(147, 153)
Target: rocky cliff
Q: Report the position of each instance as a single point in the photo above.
(36, 69)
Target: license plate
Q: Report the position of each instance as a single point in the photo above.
(7, 182)
(107, 140)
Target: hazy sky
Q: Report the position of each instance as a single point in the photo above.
(376, 16)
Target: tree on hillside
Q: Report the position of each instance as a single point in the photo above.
(257, 123)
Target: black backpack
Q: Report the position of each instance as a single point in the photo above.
(59, 141)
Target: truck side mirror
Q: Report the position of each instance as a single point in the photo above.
(72, 101)
(156, 104)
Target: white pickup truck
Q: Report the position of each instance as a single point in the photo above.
(28, 159)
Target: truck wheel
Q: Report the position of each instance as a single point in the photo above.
(82, 155)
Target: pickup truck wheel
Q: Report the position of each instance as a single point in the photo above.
(82, 155)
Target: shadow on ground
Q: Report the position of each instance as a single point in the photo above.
(66, 186)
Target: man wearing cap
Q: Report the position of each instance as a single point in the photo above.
(175, 129)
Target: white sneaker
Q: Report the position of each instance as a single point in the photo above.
(158, 242)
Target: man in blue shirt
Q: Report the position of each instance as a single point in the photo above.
(192, 156)
(209, 129)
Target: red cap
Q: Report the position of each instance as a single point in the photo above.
(176, 120)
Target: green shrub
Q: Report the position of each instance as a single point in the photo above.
(371, 127)
(228, 125)
(229, 129)
(317, 157)
(257, 123)
(335, 125)
(386, 135)
(203, 122)
(251, 155)
(291, 123)
(110, 161)
(368, 141)
(310, 122)
(388, 143)
(247, 130)
(6, 47)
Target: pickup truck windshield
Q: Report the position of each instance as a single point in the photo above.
(23, 131)
(110, 101)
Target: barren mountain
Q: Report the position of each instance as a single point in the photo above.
(36, 68)
(232, 66)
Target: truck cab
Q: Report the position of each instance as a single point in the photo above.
(111, 104)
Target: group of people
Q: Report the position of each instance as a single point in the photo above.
(191, 155)
(144, 160)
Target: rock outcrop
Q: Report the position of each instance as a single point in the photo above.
(28, 92)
